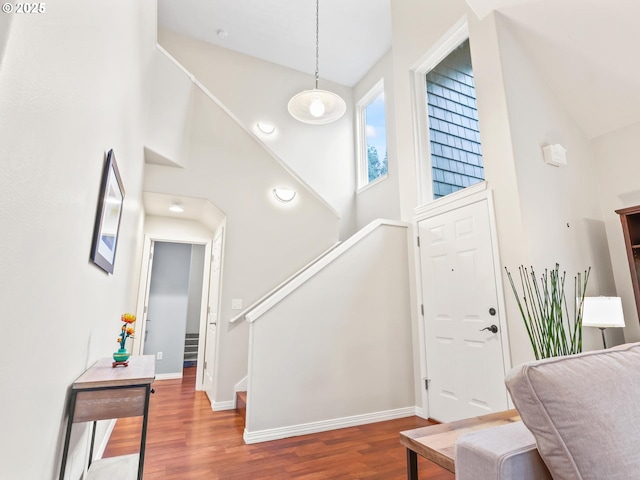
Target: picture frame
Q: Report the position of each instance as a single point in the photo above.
(107, 226)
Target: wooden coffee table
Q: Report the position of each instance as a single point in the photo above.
(437, 443)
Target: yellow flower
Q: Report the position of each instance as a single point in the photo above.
(130, 331)
(128, 318)
(124, 327)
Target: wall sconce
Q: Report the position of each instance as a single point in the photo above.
(284, 195)
(176, 207)
(266, 128)
(555, 155)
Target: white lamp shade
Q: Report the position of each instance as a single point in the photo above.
(602, 312)
(316, 106)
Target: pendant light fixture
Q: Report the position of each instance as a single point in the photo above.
(317, 106)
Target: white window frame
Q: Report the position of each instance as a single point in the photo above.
(361, 134)
(447, 44)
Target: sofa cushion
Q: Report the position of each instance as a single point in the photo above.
(507, 452)
(584, 411)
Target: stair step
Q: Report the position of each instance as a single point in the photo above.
(241, 405)
(192, 335)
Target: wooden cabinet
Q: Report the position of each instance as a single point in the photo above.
(630, 219)
(103, 392)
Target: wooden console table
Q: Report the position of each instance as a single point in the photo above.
(437, 443)
(103, 392)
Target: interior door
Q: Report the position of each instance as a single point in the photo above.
(212, 320)
(141, 326)
(464, 349)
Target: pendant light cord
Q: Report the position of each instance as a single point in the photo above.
(317, 40)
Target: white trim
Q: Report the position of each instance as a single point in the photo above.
(226, 405)
(241, 386)
(457, 34)
(361, 135)
(244, 313)
(326, 425)
(168, 376)
(372, 183)
(420, 412)
(318, 266)
(450, 202)
(250, 132)
(462, 198)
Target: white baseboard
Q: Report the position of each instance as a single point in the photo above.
(326, 425)
(421, 413)
(168, 376)
(219, 406)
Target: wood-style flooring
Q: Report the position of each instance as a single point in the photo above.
(186, 440)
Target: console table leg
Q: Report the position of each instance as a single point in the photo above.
(412, 465)
(67, 437)
(143, 439)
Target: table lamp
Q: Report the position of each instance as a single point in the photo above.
(602, 312)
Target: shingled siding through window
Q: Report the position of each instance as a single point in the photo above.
(456, 155)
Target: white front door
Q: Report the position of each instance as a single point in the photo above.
(465, 365)
(212, 317)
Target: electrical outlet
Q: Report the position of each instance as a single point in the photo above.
(159, 356)
(236, 304)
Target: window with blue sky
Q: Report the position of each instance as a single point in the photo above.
(373, 162)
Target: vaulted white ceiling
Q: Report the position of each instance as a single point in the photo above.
(354, 34)
(586, 50)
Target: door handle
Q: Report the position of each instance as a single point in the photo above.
(492, 329)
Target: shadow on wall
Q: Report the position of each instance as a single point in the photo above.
(5, 27)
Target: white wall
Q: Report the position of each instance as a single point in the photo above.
(175, 229)
(340, 345)
(69, 90)
(562, 216)
(618, 171)
(255, 90)
(265, 241)
(381, 200)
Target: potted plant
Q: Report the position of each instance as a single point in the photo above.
(545, 311)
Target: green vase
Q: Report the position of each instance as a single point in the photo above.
(121, 355)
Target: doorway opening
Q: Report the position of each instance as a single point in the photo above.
(173, 305)
(172, 323)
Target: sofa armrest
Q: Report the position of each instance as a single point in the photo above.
(507, 452)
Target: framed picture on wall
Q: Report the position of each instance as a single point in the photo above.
(105, 236)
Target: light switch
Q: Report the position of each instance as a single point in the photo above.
(236, 304)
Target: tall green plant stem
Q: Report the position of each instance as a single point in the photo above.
(545, 312)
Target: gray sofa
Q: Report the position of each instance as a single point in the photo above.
(580, 421)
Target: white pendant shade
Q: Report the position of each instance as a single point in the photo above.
(316, 106)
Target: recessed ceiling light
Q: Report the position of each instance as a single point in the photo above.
(284, 195)
(176, 207)
(266, 128)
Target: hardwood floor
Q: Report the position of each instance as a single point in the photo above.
(188, 441)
